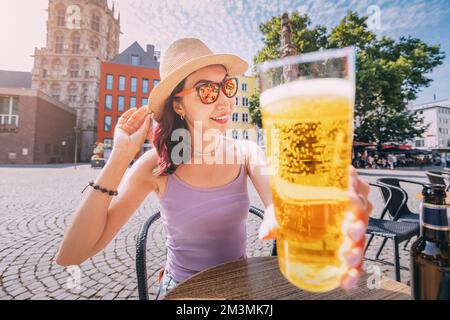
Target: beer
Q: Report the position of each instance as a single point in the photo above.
(430, 253)
(309, 138)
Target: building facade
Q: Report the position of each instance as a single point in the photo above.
(241, 126)
(35, 128)
(80, 35)
(126, 82)
(437, 115)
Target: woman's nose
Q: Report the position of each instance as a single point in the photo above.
(223, 102)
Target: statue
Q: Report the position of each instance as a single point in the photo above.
(287, 48)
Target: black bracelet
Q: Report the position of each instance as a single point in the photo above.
(98, 187)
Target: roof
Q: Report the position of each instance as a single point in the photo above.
(15, 79)
(147, 58)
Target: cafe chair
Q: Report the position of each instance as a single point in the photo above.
(394, 230)
(141, 247)
(439, 177)
(405, 214)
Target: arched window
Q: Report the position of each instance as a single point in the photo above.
(94, 43)
(95, 22)
(85, 93)
(72, 91)
(59, 43)
(56, 91)
(61, 17)
(76, 43)
(74, 68)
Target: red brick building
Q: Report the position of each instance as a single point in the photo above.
(34, 127)
(125, 82)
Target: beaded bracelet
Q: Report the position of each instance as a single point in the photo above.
(98, 187)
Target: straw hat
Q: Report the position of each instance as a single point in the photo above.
(182, 58)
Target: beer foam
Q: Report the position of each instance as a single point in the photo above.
(314, 87)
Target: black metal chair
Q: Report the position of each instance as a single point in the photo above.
(395, 230)
(141, 247)
(404, 214)
(439, 177)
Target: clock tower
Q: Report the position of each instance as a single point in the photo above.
(80, 35)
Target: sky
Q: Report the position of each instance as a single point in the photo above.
(232, 26)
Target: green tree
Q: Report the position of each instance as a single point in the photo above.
(255, 110)
(389, 73)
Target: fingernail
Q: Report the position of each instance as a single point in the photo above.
(354, 257)
(357, 230)
(349, 283)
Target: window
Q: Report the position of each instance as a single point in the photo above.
(73, 93)
(144, 102)
(245, 117)
(76, 44)
(107, 143)
(108, 123)
(144, 85)
(245, 102)
(135, 60)
(132, 102)
(108, 102)
(244, 87)
(235, 134)
(9, 111)
(237, 100)
(74, 69)
(121, 83)
(245, 134)
(109, 82)
(120, 103)
(55, 91)
(95, 23)
(59, 44)
(133, 84)
(86, 74)
(44, 73)
(61, 17)
(155, 83)
(235, 117)
(93, 44)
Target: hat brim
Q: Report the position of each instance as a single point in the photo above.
(156, 101)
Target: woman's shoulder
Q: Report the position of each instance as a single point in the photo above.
(143, 168)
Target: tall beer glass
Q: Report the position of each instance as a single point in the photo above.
(307, 110)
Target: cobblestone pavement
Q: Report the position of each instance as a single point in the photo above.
(36, 203)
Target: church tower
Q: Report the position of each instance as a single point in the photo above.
(80, 35)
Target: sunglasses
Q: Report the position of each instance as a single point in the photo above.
(208, 91)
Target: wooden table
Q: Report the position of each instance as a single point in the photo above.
(261, 279)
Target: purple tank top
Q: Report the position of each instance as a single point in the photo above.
(204, 226)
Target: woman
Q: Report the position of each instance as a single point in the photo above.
(203, 205)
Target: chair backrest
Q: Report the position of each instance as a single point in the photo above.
(386, 193)
(436, 177)
(398, 206)
(141, 250)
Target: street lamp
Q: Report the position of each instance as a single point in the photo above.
(77, 131)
